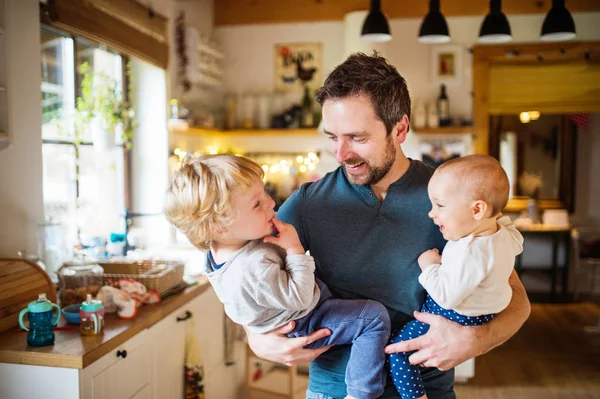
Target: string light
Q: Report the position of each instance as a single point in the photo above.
(271, 164)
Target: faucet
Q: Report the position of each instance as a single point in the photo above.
(128, 218)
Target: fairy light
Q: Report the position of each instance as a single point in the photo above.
(265, 168)
(212, 149)
(303, 168)
(299, 159)
(312, 166)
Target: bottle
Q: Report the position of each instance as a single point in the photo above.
(432, 115)
(92, 317)
(307, 109)
(443, 107)
(41, 320)
(420, 115)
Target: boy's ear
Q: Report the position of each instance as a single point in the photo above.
(480, 209)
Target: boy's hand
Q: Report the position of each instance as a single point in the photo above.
(286, 237)
(430, 257)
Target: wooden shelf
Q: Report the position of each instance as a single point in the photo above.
(197, 131)
(444, 130)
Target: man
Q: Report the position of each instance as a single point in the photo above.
(366, 224)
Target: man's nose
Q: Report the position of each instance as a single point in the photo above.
(343, 151)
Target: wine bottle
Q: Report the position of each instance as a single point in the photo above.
(307, 109)
(443, 107)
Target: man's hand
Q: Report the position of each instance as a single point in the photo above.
(275, 347)
(286, 237)
(444, 346)
(430, 257)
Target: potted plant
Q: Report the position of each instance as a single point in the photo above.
(102, 109)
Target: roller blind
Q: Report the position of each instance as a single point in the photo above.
(124, 25)
(550, 88)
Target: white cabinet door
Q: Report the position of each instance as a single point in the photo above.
(222, 382)
(208, 320)
(168, 343)
(120, 374)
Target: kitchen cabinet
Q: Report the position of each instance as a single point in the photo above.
(147, 365)
(168, 355)
(122, 373)
(222, 381)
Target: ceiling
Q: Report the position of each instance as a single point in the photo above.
(240, 12)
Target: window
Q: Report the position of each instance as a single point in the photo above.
(83, 186)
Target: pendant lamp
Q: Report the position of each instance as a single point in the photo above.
(495, 27)
(558, 24)
(434, 28)
(376, 28)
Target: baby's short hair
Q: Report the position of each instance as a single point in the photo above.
(199, 197)
(482, 176)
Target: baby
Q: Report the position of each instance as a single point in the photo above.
(468, 284)
(260, 271)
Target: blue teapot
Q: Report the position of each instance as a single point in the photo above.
(41, 321)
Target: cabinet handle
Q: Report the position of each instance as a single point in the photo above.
(122, 354)
(188, 314)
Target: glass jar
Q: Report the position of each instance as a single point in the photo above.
(78, 279)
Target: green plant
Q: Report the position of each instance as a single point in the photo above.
(100, 98)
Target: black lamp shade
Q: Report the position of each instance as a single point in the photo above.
(434, 29)
(495, 27)
(376, 28)
(558, 24)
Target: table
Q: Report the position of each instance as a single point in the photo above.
(556, 233)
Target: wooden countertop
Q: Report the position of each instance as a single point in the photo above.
(72, 350)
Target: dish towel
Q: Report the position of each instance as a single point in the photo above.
(194, 369)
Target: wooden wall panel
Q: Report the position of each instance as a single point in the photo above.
(553, 88)
(117, 25)
(238, 12)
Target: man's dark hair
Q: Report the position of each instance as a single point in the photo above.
(375, 77)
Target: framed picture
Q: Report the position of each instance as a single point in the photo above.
(434, 150)
(446, 65)
(298, 65)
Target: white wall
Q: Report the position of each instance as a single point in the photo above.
(21, 204)
(249, 63)
(149, 151)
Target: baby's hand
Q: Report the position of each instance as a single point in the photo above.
(430, 257)
(286, 238)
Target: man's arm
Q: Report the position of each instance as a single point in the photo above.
(275, 347)
(448, 344)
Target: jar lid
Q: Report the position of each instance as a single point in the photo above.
(91, 305)
(41, 305)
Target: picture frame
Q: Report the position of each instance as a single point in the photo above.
(298, 65)
(446, 64)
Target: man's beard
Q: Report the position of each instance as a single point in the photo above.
(374, 174)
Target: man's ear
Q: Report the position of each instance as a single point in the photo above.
(400, 130)
(480, 209)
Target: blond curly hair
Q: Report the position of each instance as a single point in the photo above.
(198, 200)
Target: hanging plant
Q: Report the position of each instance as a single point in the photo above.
(101, 99)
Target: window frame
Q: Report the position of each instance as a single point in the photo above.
(125, 82)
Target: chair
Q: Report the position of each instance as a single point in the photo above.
(586, 254)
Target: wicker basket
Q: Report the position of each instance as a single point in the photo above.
(160, 275)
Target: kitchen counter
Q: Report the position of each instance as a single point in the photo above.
(72, 350)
